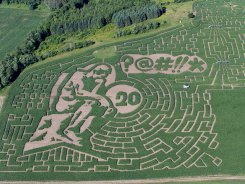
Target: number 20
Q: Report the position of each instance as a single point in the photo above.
(125, 99)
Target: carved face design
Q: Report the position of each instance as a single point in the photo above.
(101, 72)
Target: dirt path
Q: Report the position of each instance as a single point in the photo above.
(1, 102)
(148, 181)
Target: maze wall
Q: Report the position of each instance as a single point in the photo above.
(148, 108)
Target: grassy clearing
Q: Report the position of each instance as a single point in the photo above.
(16, 22)
(105, 52)
(4, 91)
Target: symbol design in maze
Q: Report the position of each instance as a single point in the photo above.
(98, 120)
(162, 63)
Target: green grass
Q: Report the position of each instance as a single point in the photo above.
(228, 106)
(105, 53)
(4, 91)
(15, 24)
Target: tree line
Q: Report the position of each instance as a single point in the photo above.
(136, 14)
(94, 14)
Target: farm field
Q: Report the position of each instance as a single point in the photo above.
(166, 105)
(15, 24)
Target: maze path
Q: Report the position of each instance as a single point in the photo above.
(120, 118)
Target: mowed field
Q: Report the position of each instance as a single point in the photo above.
(166, 105)
(15, 24)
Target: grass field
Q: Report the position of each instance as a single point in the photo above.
(15, 24)
(227, 105)
(122, 111)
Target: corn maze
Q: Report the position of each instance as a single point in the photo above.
(128, 114)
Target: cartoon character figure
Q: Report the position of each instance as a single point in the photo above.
(79, 96)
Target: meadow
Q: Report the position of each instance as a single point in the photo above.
(15, 24)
